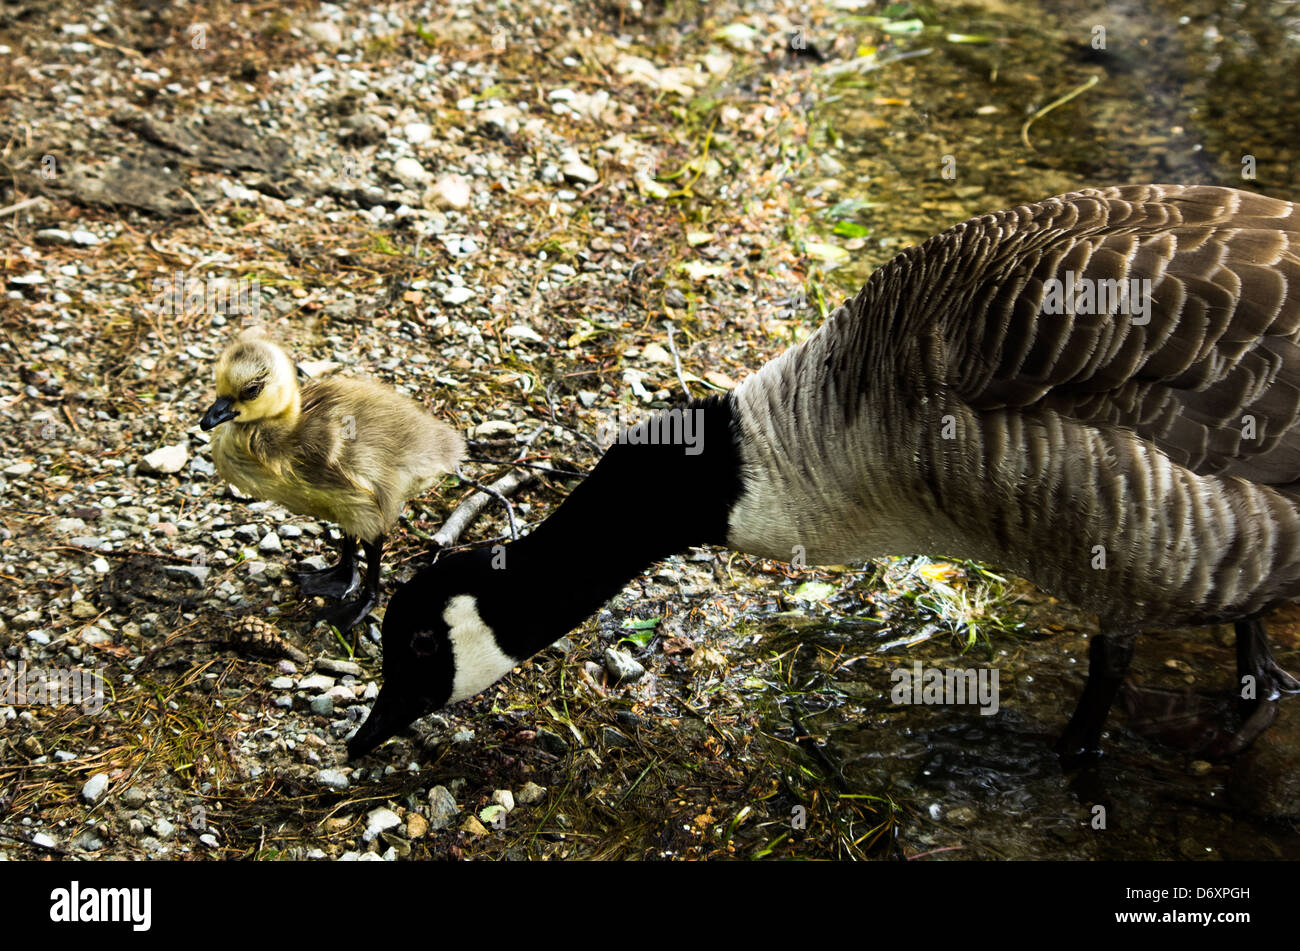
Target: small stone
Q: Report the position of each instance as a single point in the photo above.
(587, 398)
(962, 816)
(26, 619)
(332, 778)
(552, 742)
(329, 665)
(418, 132)
(622, 667)
(87, 239)
(442, 807)
(197, 575)
(495, 429)
(325, 33)
(611, 738)
(316, 682)
(458, 295)
(270, 543)
(19, 469)
(380, 820)
(88, 842)
(135, 797)
(282, 683)
(417, 827)
(43, 840)
(504, 798)
(524, 332)
(53, 236)
(83, 609)
(449, 191)
(473, 826)
(463, 736)
(579, 171)
(322, 705)
(166, 460)
(409, 171)
(209, 840)
(163, 829)
(530, 793)
(94, 788)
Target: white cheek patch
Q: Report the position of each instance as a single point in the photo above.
(479, 661)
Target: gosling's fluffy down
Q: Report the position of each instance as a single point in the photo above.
(349, 451)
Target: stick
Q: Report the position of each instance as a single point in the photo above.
(25, 203)
(469, 510)
(1024, 129)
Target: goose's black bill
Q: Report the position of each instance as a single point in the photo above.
(392, 712)
(218, 413)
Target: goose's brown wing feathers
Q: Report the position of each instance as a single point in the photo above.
(1212, 377)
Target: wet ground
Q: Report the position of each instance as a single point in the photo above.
(1178, 93)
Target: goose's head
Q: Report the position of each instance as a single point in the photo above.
(447, 636)
(255, 380)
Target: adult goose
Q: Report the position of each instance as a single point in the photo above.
(349, 451)
(1138, 455)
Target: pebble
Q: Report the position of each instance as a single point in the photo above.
(283, 683)
(417, 132)
(332, 778)
(504, 798)
(135, 797)
(458, 295)
(409, 171)
(166, 459)
(94, 788)
(316, 682)
(495, 428)
(163, 829)
(417, 827)
(322, 705)
(442, 807)
(622, 667)
(449, 191)
(341, 667)
(43, 840)
(325, 33)
(380, 820)
(270, 543)
(579, 171)
(195, 574)
(20, 469)
(530, 793)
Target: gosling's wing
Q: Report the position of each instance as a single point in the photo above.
(1210, 375)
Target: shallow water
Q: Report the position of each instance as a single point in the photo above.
(1186, 92)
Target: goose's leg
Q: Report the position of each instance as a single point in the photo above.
(334, 581)
(1269, 682)
(1108, 660)
(348, 615)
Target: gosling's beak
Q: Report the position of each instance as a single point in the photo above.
(218, 413)
(390, 714)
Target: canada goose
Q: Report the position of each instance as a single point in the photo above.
(347, 451)
(1140, 459)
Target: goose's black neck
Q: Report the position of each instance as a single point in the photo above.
(667, 484)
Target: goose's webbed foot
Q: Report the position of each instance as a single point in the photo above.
(334, 581)
(348, 615)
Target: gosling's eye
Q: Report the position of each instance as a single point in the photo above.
(251, 391)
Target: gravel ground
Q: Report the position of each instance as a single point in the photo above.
(498, 213)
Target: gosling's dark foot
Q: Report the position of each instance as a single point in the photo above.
(337, 581)
(349, 615)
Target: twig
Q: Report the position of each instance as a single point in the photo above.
(677, 360)
(1024, 129)
(25, 203)
(469, 510)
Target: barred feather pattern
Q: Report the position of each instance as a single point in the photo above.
(1145, 466)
